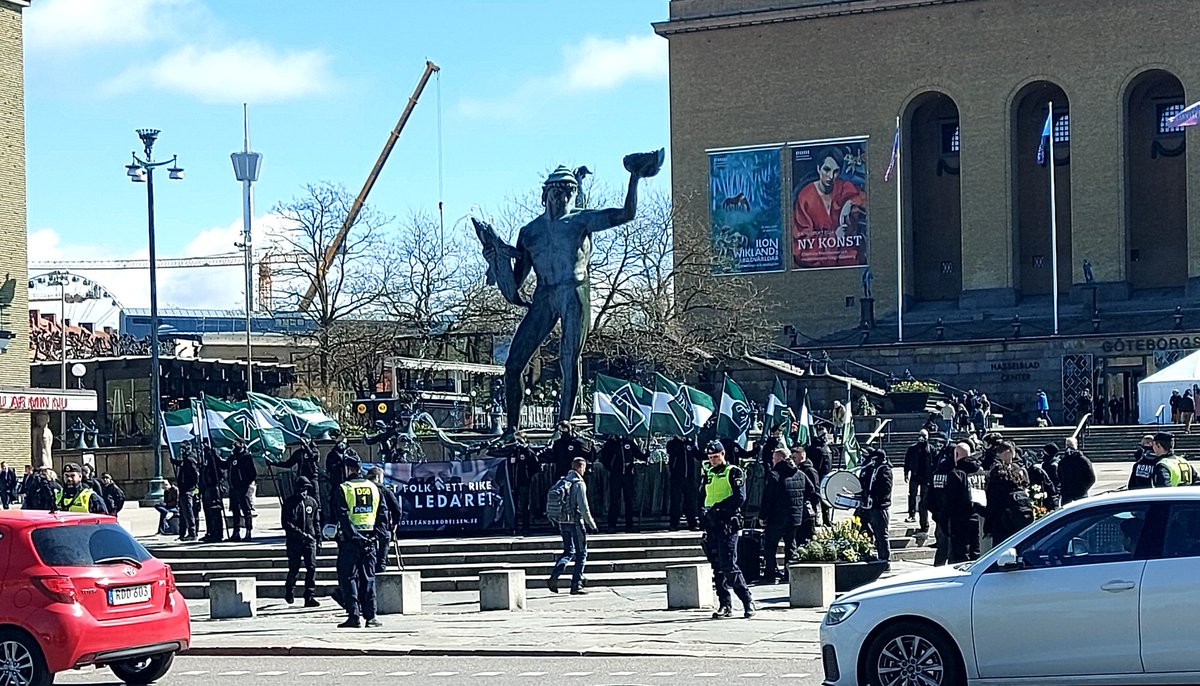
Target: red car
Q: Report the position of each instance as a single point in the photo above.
(76, 589)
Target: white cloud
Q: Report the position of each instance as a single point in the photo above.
(594, 65)
(603, 64)
(244, 72)
(67, 25)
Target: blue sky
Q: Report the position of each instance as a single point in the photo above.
(525, 85)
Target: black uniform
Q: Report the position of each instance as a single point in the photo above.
(355, 560)
(812, 513)
(241, 475)
(390, 513)
(734, 453)
(1039, 477)
(937, 504)
(523, 468)
(301, 527)
(212, 478)
(1077, 475)
(114, 497)
(618, 456)
(187, 479)
(961, 510)
(787, 495)
(1142, 474)
(722, 525)
(563, 452)
(918, 469)
(335, 474)
(305, 459)
(1009, 508)
(766, 451)
(821, 459)
(683, 465)
(876, 480)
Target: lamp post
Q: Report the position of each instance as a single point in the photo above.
(245, 169)
(142, 171)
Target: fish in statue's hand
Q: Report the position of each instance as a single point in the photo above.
(499, 256)
(645, 164)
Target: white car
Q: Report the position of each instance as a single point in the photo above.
(1104, 591)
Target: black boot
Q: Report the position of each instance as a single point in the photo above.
(723, 612)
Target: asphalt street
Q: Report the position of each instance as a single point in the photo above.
(502, 671)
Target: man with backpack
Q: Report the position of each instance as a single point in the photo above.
(1009, 507)
(567, 507)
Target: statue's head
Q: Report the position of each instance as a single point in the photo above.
(558, 191)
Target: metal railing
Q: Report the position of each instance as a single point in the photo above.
(1079, 427)
(878, 430)
(1158, 414)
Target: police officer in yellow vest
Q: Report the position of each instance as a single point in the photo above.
(355, 510)
(1170, 470)
(724, 492)
(74, 496)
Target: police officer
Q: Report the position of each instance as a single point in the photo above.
(300, 519)
(242, 476)
(618, 455)
(683, 462)
(75, 496)
(1144, 461)
(389, 518)
(212, 477)
(187, 479)
(1170, 470)
(724, 494)
(355, 509)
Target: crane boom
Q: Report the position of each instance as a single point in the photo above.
(161, 263)
(352, 215)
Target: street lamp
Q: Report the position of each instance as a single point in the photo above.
(245, 169)
(142, 171)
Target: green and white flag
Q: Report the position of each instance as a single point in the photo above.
(621, 408)
(229, 422)
(804, 432)
(735, 418)
(850, 449)
(678, 410)
(296, 417)
(777, 413)
(177, 426)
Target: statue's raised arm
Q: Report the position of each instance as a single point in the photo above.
(640, 165)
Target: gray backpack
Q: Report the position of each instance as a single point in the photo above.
(560, 502)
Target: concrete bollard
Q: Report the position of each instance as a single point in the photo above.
(398, 593)
(810, 585)
(689, 587)
(232, 598)
(502, 589)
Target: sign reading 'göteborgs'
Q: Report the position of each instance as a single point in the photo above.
(459, 497)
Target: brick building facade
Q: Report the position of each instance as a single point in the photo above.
(971, 82)
(14, 362)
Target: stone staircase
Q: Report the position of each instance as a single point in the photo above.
(454, 564)
(1099, 443)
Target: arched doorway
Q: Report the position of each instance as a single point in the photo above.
(1155, 183)
(1031, 253)
(932, 168)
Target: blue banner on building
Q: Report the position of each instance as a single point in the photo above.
(744, 203)
(457, 498)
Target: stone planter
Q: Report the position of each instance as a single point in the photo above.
(850, 575)
(909, 402)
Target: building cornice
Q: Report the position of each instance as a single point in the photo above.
(15, 4)
(801, 12)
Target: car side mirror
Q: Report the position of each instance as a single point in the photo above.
(1008, 560)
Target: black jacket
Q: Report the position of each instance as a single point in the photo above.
(390, 512)
(618, 455)
(766, 451)
(299, 518)
(40, 494)
(1000, 487)
(957, 505)
(523, 463)
(1142, 474)
(1077, 475)
(213, 469)
(786, 492)
(187, 472)
(334, 472)
(304, 460)
(734, 453)
(241, 471)
(876, 480)
(1038, 476)
(114, 497)
(683, 459)
(918, 461)
(564, 450)
(818, 454)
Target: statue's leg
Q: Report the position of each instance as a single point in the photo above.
(532, 330)
(576, 321)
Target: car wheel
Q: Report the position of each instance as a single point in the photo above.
(913, 654)
(22, 662)
(143, 670)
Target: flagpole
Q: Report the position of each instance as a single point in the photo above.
(899, 234)
(1053, 225)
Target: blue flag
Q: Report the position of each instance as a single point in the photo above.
(1047, 132)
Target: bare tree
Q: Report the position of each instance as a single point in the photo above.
(348, 288)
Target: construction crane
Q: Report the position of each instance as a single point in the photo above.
(223, 260)
(352, 215)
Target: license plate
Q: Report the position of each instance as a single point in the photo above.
(127, 595)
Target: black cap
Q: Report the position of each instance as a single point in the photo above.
(304, 484)
(714, 446)
(351, 459)
(71, 467)
(1050, 449)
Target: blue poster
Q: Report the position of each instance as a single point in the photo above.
(744, 201)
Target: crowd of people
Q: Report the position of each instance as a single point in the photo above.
(78, 489)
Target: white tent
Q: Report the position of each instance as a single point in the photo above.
(1155, 390)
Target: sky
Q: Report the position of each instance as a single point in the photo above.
(525, 85)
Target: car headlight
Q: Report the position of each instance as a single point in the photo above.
(839, 613)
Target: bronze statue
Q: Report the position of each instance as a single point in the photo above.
(557, 245)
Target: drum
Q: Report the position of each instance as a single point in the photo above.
(840, 490)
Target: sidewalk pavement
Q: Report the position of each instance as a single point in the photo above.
(622, 621)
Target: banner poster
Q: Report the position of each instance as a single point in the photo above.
(747, 226)
(829, 204)
(453, 498)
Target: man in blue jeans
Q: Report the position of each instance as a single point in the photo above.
(574, 528)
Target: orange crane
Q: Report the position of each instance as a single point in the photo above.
(352, 215)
